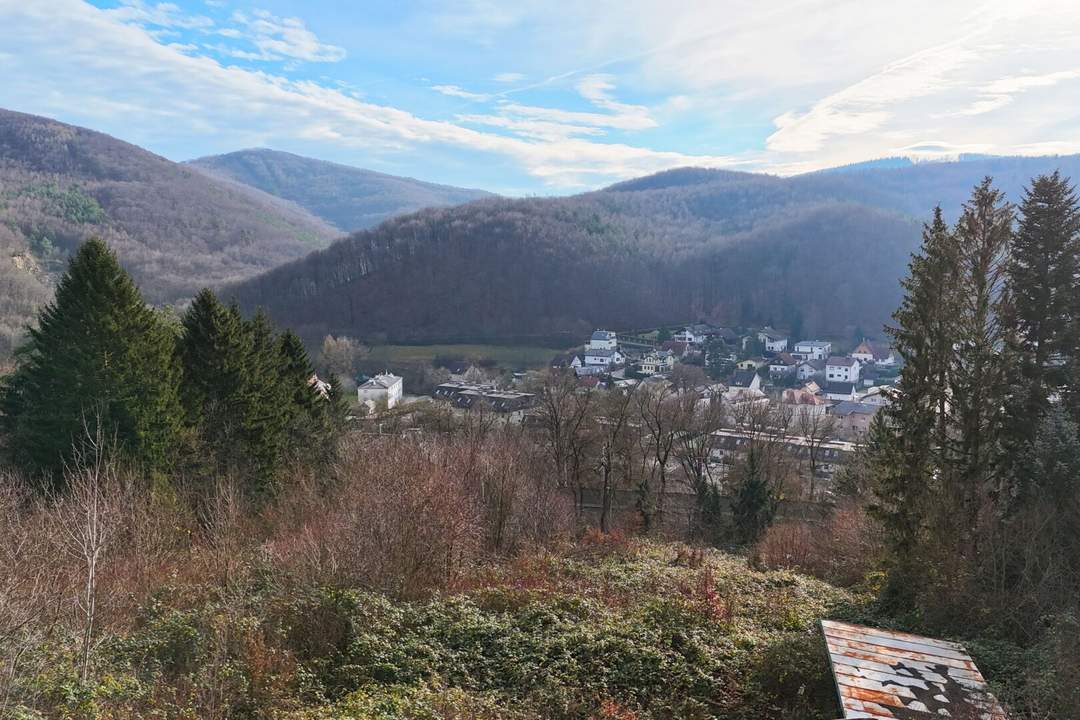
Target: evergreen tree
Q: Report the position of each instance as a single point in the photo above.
(912, 434)
(98, 355)
(214, 350)
(979, 374)
(755, 503)
(267, 403)
(1042, 274)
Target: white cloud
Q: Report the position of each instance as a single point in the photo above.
(455, 91)
(162, 14)
(508, 77)
(173, 93)
(286, 38)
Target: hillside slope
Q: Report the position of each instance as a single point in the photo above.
(174, 228)
(819, 253)
(349, 198)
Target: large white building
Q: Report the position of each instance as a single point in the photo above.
(603, 340)
(381, 388)
(812, 349)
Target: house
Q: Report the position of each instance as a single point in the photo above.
(751, 363)
(783, 365)
(840, 390)
(812, 349)
(853, 418)
(802, 400)
(562, 361)
(604, 357)
(690, 336)
(660, 361)
(841, 369)
(729, 336)
(871, 352)
(603, 340)
(773, 339)
(383, 388)
(808, 369)
(744, 379)
(879, 395)
(319, 387)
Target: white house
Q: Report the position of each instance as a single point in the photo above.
(878, 395)
(869, 352)
(812, 349)
(379, 389)
(782, 365)
(660, 361)
(603, 340)
(688, 336)
(808, 369)
(840, 391)
(774, 341)
(603, 357)
(842, 369)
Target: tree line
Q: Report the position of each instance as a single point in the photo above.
(975, 468)
(205, 394)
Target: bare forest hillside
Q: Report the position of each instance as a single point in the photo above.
(174, 228)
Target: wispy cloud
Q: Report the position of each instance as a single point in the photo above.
(455, 91)
(508, 77)
(280, 38)
(110, 59)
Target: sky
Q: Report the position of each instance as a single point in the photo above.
(541, 97)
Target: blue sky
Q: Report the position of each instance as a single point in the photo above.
(547, 97)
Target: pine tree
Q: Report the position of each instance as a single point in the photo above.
(98, 355)
(913, 434)
(267, 403)
(979, 373)
(1042, 278)
(755, 503)
(214, 350)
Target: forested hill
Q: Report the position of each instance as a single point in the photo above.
(821, 253)
(174, 228)
(348, 197)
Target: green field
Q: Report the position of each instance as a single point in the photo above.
(510, 356)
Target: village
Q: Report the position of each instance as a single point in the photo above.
(810, 404)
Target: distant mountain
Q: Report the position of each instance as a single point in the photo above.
(350, 198)
(174, 228)
(820, 253)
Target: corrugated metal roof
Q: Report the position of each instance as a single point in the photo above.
(886, 674)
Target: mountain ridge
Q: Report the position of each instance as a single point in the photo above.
(348, 197)
(820, 253)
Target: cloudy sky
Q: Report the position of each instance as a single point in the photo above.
(545, 96)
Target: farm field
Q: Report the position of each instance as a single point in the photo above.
(510, 356)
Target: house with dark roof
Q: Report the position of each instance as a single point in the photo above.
(839, 390)
(745, 379)
(782, 365)
(809, 369)
(841, 369)
(603, 357)
(774, 340)
(603, 340)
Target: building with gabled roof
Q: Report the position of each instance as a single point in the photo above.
(382, 388)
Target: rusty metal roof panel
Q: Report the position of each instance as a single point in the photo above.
(886, 674)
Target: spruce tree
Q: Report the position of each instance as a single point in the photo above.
(979, 373)
(912, 436)
(99, 354)
(1042, 274)
(214, 350)
(267, 403)
(755, 503)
